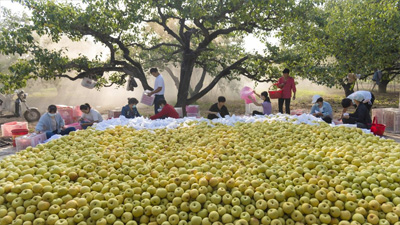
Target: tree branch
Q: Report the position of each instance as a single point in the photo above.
(155, 46)
(163, 23)
(210, 86)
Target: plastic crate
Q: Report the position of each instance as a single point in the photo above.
(8, 127)
(192, 109)
(297, 112)
(77, 111)
(193, 115)
(378, 113)
(66, 113)
(25, 141)
(113, 113)
(391, 118)
(249, 108)
(179, 111)
(147, 100)
(88, 83)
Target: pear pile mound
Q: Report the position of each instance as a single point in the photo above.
(250, 173)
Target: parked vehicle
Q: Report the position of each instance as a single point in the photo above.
(9, 105)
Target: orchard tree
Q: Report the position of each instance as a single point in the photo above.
(344, 36)
(191, 38)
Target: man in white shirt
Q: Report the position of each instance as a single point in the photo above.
(159, 88)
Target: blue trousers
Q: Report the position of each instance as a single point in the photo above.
(62, 132)
(156, 105)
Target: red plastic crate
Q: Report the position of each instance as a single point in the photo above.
(114, 114)
(8, 127)
(66, 113)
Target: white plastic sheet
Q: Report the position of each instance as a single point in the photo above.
(141, 123)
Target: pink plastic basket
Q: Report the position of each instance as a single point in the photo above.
(76, 111)
(8, 127)
(66, 113)
(192, 109)
(147, 100)
(25, 141)
(244, 94)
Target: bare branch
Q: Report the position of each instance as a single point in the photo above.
(222, 74)
(155, 46)
(163, 23)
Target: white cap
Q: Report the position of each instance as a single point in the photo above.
(358, 97)
(315, 98)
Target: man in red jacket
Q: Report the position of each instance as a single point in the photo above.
(166, 111)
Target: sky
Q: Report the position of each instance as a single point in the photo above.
(251, 42)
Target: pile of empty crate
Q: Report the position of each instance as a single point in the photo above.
(389, 117)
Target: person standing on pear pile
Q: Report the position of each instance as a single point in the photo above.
(159, 89)
(286, 83)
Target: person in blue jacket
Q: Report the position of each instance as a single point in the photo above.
(130, 111)
(52, 123)
(321, 109)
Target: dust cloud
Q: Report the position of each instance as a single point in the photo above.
(73, 93)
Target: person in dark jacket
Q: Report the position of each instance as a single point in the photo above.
(130, 111)
(167, 110)
(218, 110)
(360, 117)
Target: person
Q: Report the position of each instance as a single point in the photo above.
(286, 83)
(218, 110)
(90, 116)
(167, 110)
(360, 117)
(321, 109)
(130, 111)
(368, 98)
(266, 105)
(52, 123)
(159, 88)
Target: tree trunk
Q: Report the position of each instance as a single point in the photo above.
(348, 88)
(382, 87)
(187, 66)
(199, 84)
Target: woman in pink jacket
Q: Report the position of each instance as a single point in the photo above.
(286, 83)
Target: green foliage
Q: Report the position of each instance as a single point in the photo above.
(142, 33)
(341, 36)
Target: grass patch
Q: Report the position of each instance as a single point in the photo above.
(46, 92)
